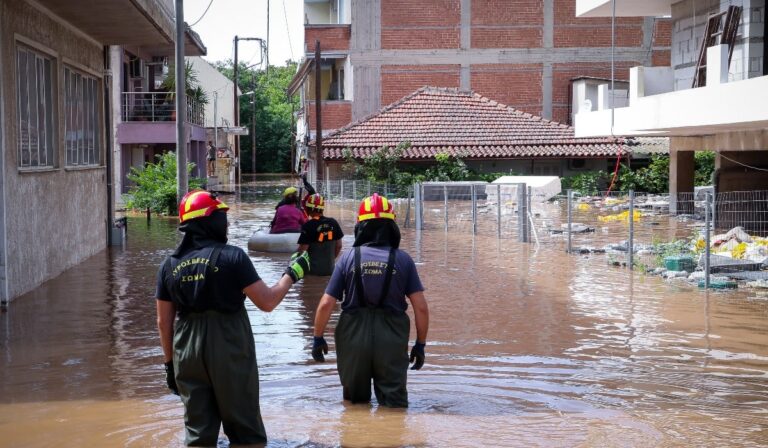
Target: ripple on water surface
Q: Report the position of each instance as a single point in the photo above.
(526, 348)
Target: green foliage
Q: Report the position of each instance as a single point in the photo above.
(651, 179)
(191, 83)
(705, 167)
(587, 183)
(379, 167)
(447, 168)
(273, 115)
(155, 187)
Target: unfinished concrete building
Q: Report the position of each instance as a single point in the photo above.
(521, 53)
(713, 96)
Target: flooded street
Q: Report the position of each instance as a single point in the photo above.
(526, 348)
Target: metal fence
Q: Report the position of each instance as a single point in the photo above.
(699, 236)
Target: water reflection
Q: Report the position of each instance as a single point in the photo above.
(526, 348)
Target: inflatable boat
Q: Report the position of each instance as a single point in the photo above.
(263, 241)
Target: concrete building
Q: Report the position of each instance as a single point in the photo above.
(55, 128)
(728, 115)
(144, 112)
(520, 53)
(219, 118)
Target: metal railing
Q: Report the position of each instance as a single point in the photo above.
(158, 107)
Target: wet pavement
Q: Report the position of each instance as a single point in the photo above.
(526, 348)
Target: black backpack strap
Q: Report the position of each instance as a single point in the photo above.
(358, 279)
(388, 274)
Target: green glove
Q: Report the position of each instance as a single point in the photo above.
(298, 267)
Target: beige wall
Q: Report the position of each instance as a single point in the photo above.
(57, 217)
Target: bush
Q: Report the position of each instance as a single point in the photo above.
(705, 166)
(588, 184)
(155, 187)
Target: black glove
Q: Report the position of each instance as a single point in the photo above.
(170, 377)
(319, 346)
(417, 354)
(298, 266)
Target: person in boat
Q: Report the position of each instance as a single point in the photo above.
(287, 220)
(288, 216)
(205, 333)
(320, 236)
(372, 282)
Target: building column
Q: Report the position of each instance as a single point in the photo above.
(116, 90)
(681, 179)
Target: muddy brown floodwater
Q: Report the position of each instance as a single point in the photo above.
(526, 348)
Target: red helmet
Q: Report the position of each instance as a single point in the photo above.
(315, 202)
(198, 204)
(374, 207)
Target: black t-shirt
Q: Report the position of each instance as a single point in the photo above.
(189, 286)
(321, 235)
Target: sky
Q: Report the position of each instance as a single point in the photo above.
(248, 18)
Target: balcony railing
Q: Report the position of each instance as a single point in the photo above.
(158, 107)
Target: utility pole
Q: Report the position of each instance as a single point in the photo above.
(267, 55)
(253, 125)
(181, 102)
(318, 115)
(237, 118)
(215, 129)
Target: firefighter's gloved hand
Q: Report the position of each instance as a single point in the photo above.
(417, 355)
(298, 267)
(319, 347)
(170, 377)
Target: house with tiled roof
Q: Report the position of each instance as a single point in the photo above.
(487, 135)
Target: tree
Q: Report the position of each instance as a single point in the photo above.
(155, 187)
(191, 83)
(274, 110)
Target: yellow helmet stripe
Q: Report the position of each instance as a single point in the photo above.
(384, 203)
(367, 204)
(193, 214)
(191, 199)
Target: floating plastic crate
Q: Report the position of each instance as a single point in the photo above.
(679, 263)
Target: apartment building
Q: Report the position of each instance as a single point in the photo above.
(524, 54)
(712, 97)
(56, 74)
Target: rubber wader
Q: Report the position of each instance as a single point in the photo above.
(372, 344)
(218, 378)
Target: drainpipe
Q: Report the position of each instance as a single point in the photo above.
(108, 137)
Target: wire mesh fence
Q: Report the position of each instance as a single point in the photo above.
(686, 236)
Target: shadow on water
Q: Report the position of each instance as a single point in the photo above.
(526, 348)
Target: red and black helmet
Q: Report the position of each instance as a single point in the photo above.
(315, 202)
(198, 204)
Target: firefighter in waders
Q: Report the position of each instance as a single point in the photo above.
(372, 281)
(320, 237)
(210, 358)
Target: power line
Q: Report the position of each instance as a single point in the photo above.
(288, 30)
(742, 164)
(204, 13)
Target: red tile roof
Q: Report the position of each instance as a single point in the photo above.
(436, 120)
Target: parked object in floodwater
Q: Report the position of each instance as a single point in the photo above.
(263, 241)
(210, 357)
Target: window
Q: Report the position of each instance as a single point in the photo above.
(35, 108)
(81, 136)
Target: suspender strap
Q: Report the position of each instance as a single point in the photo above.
(358, 278)
(209, 269)
(388, 275)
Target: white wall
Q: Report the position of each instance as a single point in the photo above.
(212, 81)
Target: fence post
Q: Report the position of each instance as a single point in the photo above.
(421, 205)
(327, 185)
(631, 240)
(522, 213)
(386, 189)
(369, 187)
(569, 204)
(408, 208)
(445, 206)
(474, 209)
(529, 215)
(707, 223)
(498, 210)
(342, 190)
(417, 205)
(354, 191)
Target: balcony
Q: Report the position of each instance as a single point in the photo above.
(333, 38)
(159, 106)
(150, 117)
(656, 110)
(624, 8)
